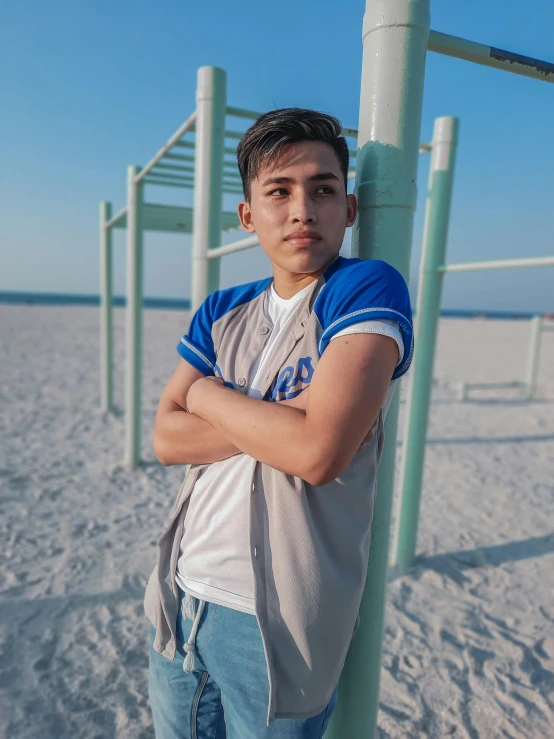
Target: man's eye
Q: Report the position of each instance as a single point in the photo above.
(279, 191)
(325, 190)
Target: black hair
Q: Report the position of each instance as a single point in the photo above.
(264, 141)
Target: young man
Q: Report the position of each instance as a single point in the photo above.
(278, 404)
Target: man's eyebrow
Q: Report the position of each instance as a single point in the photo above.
(287, 180)
(277, 181)
(325, 176)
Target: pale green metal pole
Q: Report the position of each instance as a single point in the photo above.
(435, 235)
(489, 56)
(211, 105)
(395, 37)
(106, 313)
(499, 264)
(133, 355)
(533, 357)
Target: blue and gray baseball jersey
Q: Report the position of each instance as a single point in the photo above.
(309, 544)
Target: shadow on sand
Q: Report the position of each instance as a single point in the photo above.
(452, 564)
(489, 439)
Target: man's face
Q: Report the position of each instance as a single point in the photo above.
(299, 208)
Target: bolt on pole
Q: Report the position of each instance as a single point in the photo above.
(395, 38)
(435, 236)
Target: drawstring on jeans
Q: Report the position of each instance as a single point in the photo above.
(188, 607)
(189, 663)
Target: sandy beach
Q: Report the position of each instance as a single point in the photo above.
(469, 643)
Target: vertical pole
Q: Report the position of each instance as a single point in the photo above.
(395, 36)
(441, 177)
(133, 353)
(211, 105)
(533, 358)
(106, 314)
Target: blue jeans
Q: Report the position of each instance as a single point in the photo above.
(226, 696)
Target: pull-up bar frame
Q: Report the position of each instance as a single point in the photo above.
(428, 303)
(396, 35)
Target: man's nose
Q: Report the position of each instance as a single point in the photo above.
(303, 209)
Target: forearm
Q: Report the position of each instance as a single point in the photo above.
(273, 433)
(185, 438)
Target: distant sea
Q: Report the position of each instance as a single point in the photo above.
(23, 298)
(28, 298)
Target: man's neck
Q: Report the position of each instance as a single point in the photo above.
(287, 284)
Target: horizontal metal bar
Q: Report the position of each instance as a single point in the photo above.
(179, 133)
(233, 176)
(169, 218)
(192, 145)
(489, 56)
(234, 135)
(243, 113)
(120, 215)
(155, 178)
(174, 167)
(547, 327)
(500, 264)
(169, 183)
(494, 385)
(423, 149)
(171, 176)
(349, 132)
(180, 157)
(222, 251)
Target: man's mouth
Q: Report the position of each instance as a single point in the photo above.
(303, 238)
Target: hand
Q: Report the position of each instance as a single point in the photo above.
(198, 389)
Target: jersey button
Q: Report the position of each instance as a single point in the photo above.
(241, 381)
(264, 330)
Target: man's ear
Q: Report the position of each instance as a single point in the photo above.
(351, 209)
(245, 217)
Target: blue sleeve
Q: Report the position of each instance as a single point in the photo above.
(197, 346)
(363, 291)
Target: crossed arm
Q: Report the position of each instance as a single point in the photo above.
(313, 438)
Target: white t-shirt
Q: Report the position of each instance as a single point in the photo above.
(215, 559)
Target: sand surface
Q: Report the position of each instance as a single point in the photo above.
(469, 644)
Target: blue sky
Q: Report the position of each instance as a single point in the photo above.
(92, 86)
